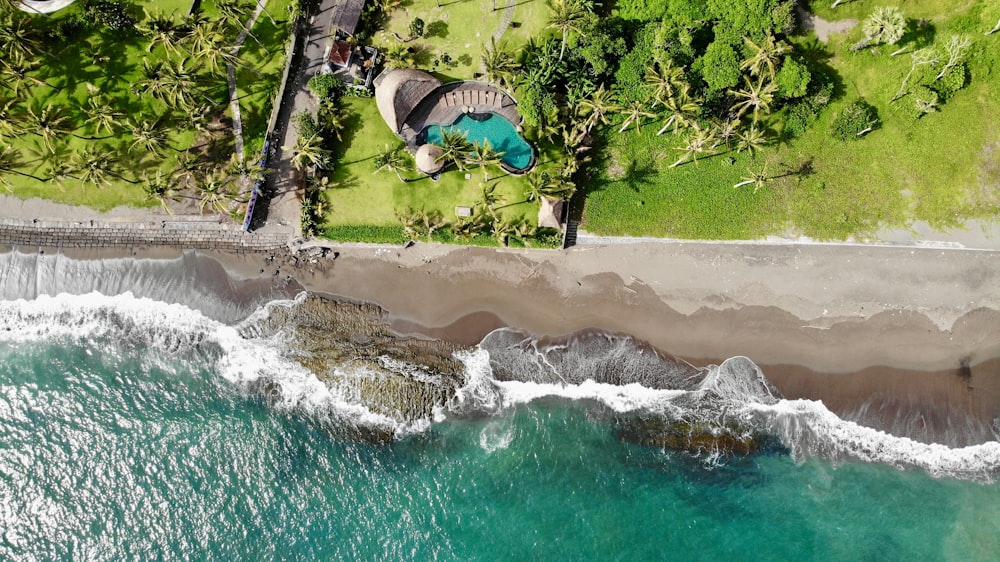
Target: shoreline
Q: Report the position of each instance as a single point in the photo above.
(866, 330)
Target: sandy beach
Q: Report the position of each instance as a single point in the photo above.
(855, 326)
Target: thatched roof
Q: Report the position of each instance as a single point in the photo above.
(398, 92)
(427, 158)
(347, 14)
(550, 213)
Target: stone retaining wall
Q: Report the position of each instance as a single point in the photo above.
(200, 235)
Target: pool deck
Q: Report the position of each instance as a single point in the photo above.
(450, 101)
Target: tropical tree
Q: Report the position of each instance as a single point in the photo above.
(161, 30)
(17, 72)
(421, 223)
(884, 25)
(94, 165)
(102, 115)
(499, 64)
(466, 228)
(160, 188)
(484, 155)
(215, 192)
(490, 199)
(309, 151)
(598, 107)
(765, 56)
(955, 48)
(750, 140)
(330, 118)
(634, 112)
(500, 229)
(699, 142)
(566, 16)
(920, 57)
(454, 147)
(148, 135)
(392, 159)
(398, 55)
(48, 122)
(17, 37)
(759, 178)
(664, 79)
(682, 111)
(10, 123)
(754, 97)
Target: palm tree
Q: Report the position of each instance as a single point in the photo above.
(398, 55)
(330, 118)
(153, 81)
(454, 147)
(765, 56)
(758, 179)
(884, 25)
(102, 115)
(484, 155)
(751, 140)
(17, 73)
(682, 111)
(47, 122)
(467, 228)
(247, 168)
(160, 188)
(755, 96)
(421, 223)
(727, 130)
(499, 65)
(490, 198)
(93, 165)
(161, 30)
(393, 160)
(17, 36)
(500, 229)
(598, 106)
(566, 16)
(701, 141)
(309, 152)
(148, 135)
(214, 190)
(664, 79)
(10, 123)
(180, 85)
(634, 112)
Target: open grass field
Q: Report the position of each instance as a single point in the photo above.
(100, 62)
(943, 169)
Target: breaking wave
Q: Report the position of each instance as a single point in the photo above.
(635, 383)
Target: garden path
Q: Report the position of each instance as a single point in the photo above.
(824, 28)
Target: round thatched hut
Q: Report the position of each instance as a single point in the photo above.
(399, 91)
(428, 159)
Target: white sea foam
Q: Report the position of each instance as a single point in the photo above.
(625, 398)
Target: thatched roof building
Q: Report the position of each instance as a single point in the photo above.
(346, 14)
(427, 158)
(399, 91)
(550, 213)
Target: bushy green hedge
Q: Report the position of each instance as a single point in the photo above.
(853, 120)
(376, 234)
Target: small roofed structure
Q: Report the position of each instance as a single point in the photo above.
(399, 91)
(428, 158)
(550, 213)
(346, 15)
(340, 54)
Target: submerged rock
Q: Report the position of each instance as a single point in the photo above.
(696, 437)
(351, 348)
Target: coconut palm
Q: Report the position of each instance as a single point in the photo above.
(759, 178)
(484, 155)
(161, 30)
(634, 112)
(885, 25)
(500, 229)
(10, 123)
(454, 147)
(566, 16)
(330, 118)
(499, 65)
(682, 111)
(247, 168)
(17, 73)
(160, 188)
(214, 191)
(102, 115)
(751, 140)
(754, 97)
(47, 122)
(467, 228)
(392, 159)
(490, 198)
(398, 55)
(148, 135)
(765, 56)
(727, 130)
(664, 79)
(598, 107)
(188, 168)
(421, 223)
(94, 165)
(309, 151)
(700, 142)
(17, 36)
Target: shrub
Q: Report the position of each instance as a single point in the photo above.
(307, 125)
(858, 117)
(952, 81)
(792, 79)
(417, 27)
(325, 86)
(109, 13)
(804, 112)
(925, 100)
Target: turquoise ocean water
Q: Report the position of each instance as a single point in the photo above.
(129, 429)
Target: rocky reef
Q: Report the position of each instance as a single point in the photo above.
(351, 348)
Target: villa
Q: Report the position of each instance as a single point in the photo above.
(354, 64)
(417, 106)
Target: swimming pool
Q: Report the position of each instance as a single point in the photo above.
(503, 137)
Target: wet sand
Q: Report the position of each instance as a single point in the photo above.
(865, 329)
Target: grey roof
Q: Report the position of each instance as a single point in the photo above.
(398, 92)
(550, 213)
(346, 15)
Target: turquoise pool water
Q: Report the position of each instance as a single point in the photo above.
(500, 132)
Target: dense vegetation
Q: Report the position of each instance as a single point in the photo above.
(109, 103)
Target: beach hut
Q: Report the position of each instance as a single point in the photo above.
(427, 158)
(398, 92)
(550, 213)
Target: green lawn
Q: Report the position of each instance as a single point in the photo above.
(937, 169)
(103, 60)
(258, 85)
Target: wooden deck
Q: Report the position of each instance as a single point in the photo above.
(450, 101)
